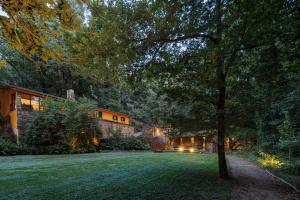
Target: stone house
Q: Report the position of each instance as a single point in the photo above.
(17, 105)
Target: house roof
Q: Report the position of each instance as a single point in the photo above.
(32, 92)
(106, 110)
(41, 94)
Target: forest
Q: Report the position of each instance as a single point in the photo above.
(229, 66)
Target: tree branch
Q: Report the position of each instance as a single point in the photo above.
(178, 39)
(233, 54)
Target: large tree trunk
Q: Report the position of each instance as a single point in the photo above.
(223, 172)
(221, 81)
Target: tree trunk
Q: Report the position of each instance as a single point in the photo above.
(223, 172)
(290, 154)
(221, 81)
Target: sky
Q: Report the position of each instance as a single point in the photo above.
(2, 13)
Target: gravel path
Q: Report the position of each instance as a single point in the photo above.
(253, 183)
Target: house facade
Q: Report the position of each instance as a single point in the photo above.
(112, 123)
(202, 140)
(17, 105)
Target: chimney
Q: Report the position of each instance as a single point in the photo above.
(70, 94)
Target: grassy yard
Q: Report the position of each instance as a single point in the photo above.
(121, 175)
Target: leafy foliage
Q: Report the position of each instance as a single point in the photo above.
(123, 144)
(8, 147)
(64, 126)
(31, 25)
(166, 63)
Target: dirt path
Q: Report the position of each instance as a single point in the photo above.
(253, 183)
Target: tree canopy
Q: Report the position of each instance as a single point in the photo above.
(230, 66)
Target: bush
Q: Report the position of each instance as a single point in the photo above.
(64, 127)
(123, 144)
(158, 145)
(8, 147)
(291, 168)
(268, 160)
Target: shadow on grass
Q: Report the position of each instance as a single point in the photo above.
(116, 176)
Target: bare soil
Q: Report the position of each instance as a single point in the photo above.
(253, 183)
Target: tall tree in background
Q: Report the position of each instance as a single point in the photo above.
(31, 26)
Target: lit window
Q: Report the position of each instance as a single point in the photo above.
(122, 119)
(25, 102)
(115, 118)
(30, 103)
(35, 103)
(192, 140)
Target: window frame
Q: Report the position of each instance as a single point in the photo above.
(115, 117)
(123, 119)
(13, 102)
(31, 97)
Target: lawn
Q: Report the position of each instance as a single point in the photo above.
(119, 175)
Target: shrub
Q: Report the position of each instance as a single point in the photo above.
(44, 129)
(65, 126)
(158, 145)
(123, 144)
(268, 160)
(80, 124)
(292, 168)
(8, 147)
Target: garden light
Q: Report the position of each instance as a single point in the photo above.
(192, 150)
(180, 149)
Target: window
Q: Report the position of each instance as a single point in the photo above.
(30, 103)
(122, 119)
(192, 140)
(100, 114)
(25, 102)
(115, 118)
(13, 102)
(35, 103)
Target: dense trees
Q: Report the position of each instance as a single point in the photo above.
(216, 33)
(32, 25)
(191, 65)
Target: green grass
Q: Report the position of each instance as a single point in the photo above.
(122, 175)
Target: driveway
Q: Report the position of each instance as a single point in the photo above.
(253, 183)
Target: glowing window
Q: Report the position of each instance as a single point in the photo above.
(30, 103)
(192, 140)
(35, 103)
(25, 102)
(115, 118)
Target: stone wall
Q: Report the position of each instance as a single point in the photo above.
(108, 129)
(6, 130)
(22, 117)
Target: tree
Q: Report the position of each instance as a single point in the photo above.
(30, 26)
(288, 137)
(163, 30)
